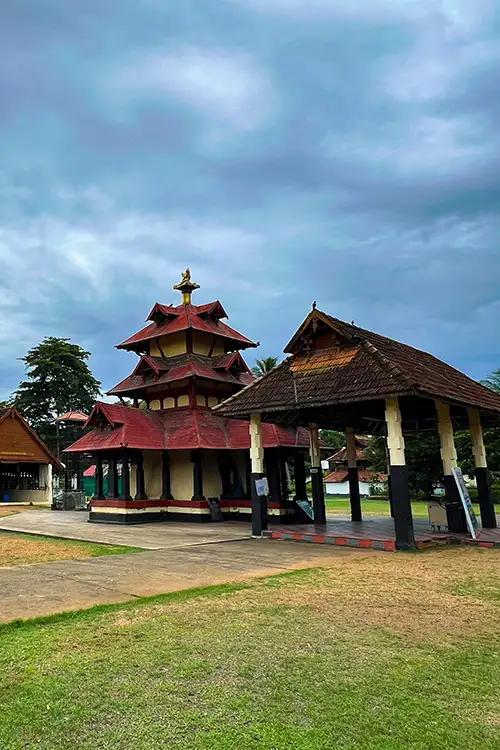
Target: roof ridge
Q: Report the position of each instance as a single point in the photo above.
(384, 362)
(251, 385)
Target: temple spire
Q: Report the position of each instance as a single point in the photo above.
(186, 286)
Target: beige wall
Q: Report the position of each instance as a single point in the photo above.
(152, 473)
(181, 475)
(212, 485)
(171, 345)
(202, 343)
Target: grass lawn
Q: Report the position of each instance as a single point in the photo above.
(378, 652)
(21, 549)
(339, 504)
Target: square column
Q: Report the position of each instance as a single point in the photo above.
(259, 504)
(403, 518)
(166, 492)
(300, 476)
(141, 485)
(125, 494)
(352, 473)
(318, 490)
(448, 450)
(113, 477)
(196, 458)
(99, 479)
(486, 505)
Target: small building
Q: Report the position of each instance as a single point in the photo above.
(25, 462)
(178, 459)
(336, 467)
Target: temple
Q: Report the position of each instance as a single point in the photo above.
(175, 457)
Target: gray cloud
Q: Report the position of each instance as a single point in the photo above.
(286, 151)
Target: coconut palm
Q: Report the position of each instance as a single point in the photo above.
(264, 365)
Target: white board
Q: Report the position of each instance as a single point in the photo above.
(262, 487)
(470, 516)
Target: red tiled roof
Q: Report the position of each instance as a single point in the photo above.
(356, 366)
(224, 369)
(170, 320)
(73, 416)
(176, 429)
(364, 475)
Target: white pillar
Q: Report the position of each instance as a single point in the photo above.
(395, 439)
(256, 447)
(476, 433)
(314, 449)
(447, 441)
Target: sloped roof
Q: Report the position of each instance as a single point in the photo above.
(119, 426)
(229, 368)
(358, 365)
(73, 416)
(15, 444)
(169, 319)
(364, 475)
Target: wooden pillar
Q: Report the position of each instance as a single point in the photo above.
(352, 473)
(300, 476)
(113, 477)
(272, 466)
(67, 473)
(125, 494)
(99, 479)
(403, 519)
(283, 475)
(196, 458)
(448, 450)
(317, 488)
(166, 492)
(259, 503)
(224, 463)
(141, 484)
(485, 498)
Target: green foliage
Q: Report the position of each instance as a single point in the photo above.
(264, 365)
(422, 458)
(333, 439)
(493, 381)
(58, 379)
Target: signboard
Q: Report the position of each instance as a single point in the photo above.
(262, 487)
(470, 516)
(306, 507)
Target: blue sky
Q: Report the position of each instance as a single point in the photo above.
(286, 151)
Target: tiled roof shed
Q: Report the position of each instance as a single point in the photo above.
(337, 368)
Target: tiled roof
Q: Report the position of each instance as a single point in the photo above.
(168, 320)
(171, 369)
(73, 416)
(358, 366)
(364, 475)
(119, 426)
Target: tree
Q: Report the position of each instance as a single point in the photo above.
(264, 365)
(333, 439)
(423, 460)
(58, 379)
(493, 381)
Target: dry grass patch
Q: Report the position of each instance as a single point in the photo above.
(25, 549)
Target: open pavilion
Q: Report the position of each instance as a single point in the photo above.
(339, 376)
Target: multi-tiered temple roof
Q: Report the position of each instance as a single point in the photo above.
(189, 361)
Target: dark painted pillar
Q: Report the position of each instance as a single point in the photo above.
(67, 473)
(485, 498)
(317, 487)
(166, 492)
(352, 474)
(225, 465)
(125, 495)
(99, 479)
(389, 490)
(271, 460)
(112, 477)
(402, 513)
(196, 458)
(248, 475)
(141, 484)
(79, 472)
(259, 503)
(403, 518)
(259, 507)
(283, 475)
(300, 476)
(318, 494)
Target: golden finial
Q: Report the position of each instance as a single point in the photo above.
(186, 286)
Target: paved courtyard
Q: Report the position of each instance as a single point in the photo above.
(178, 556)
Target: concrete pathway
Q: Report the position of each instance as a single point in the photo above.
(163, 534)
(46, 588)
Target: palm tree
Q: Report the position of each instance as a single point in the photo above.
(264, 365)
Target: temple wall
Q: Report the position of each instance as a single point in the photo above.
(212, 484)
(152, 473)
(171, 345)
(202, 343)
(241, 465)
(181, 475)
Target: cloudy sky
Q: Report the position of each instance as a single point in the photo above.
(288, 151)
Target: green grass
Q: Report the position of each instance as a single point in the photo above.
(380, 652)
(376, 507)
